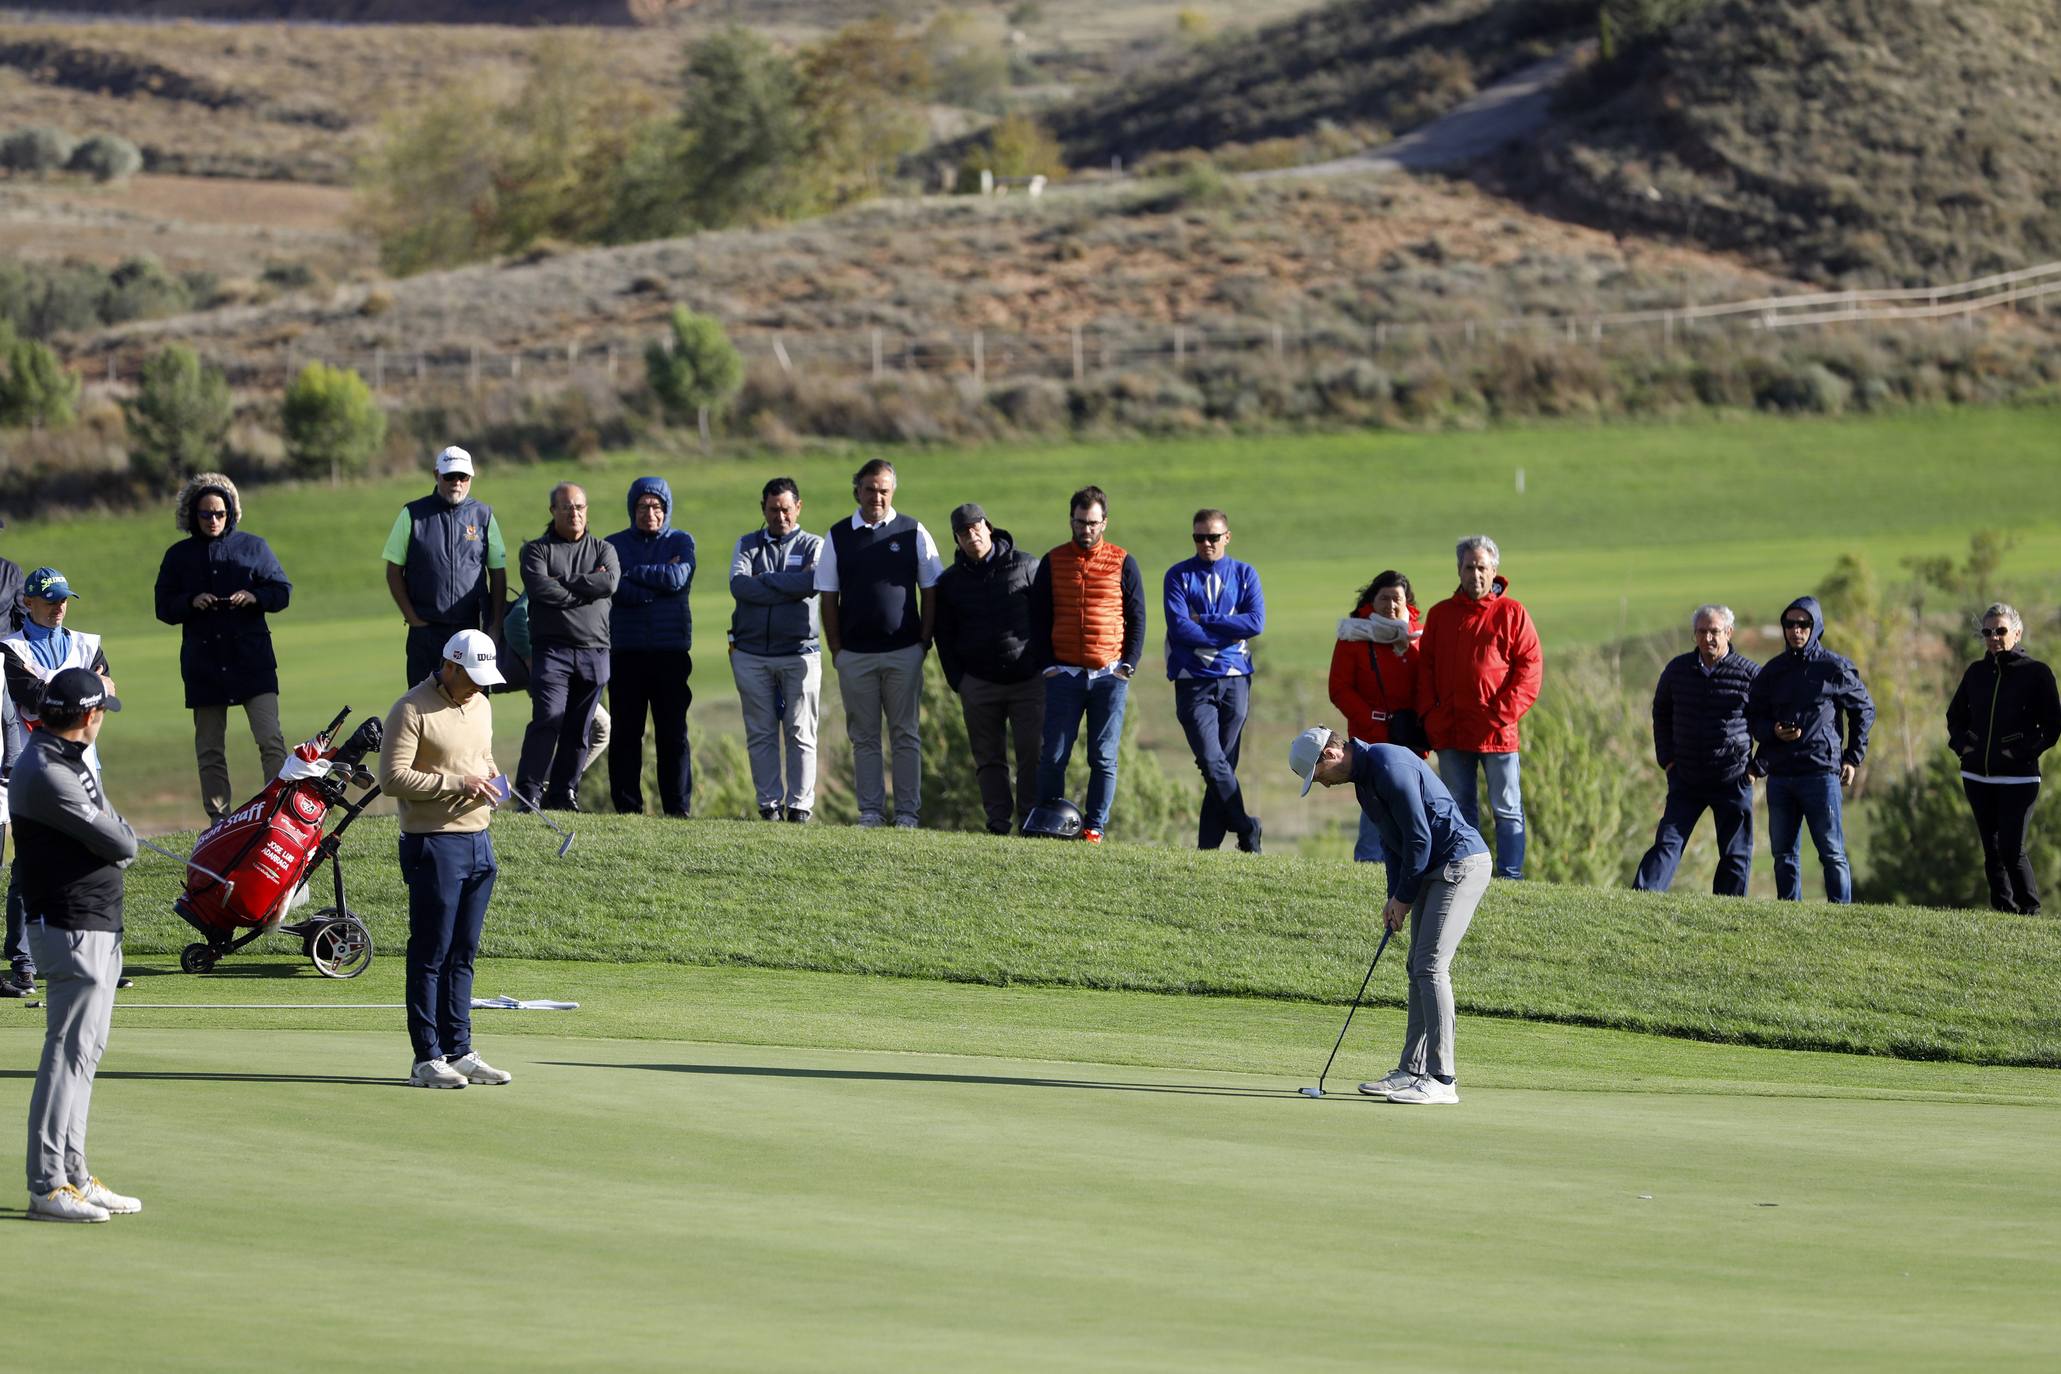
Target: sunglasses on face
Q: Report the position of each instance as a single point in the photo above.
(1796, 624)
(212, 514)
(1998, 633)
(1211, 538)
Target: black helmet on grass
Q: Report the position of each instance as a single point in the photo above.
(1054, 819)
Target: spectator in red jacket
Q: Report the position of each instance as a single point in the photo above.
(1478, 673)
(1374, 678)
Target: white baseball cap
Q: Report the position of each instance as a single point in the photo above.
(1304, 751)
(454, 459)
(473, 651)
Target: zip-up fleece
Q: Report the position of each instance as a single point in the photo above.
(774, 583)
(1811, 688)
(2004, 715)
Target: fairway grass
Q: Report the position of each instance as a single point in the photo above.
(727, 1169)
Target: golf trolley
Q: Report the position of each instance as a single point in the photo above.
(253, 866)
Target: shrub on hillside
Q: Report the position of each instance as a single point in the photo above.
(105, 157)
(333, 424)
(141, 289)
(697, 371)
(39, 149)
(36, 392)
(179, 417)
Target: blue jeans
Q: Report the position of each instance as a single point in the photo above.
(1067, 697)
(1813, 797)
(450, 878)
(1212, 714)
(1456, 768)
(1731, 810)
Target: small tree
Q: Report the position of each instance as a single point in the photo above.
(40, 149)
(746, 135)
(104, 157)
(36, 391)
(179, 418)
(332, 422)
(701, 370)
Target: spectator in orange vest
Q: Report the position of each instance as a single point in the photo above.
(1088, 629)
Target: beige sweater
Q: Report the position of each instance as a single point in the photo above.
(431, 744)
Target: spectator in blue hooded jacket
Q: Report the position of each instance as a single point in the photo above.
(651, 633)
(1701, 742)
(1796, 710)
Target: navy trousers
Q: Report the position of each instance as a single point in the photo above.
(1731, 810)
(565, 687)
(450, 878)
(653, 680)
(426, 648)
(1212, 714)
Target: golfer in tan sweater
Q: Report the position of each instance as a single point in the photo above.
(437, 762)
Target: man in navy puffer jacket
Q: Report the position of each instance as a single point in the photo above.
(1795, 712)
(651, 631)
(1701, 741)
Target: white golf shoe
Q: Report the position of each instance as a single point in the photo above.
(1424, 1090)
(100, 1195)
(64, 1204)
(435, 1073)
(478, 1070)
(1388, 1083)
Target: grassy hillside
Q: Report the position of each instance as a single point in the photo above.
(1878, 140)
(1619, 530)
(1379, 65)
(1971, 986)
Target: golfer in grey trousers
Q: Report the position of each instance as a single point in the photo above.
(1438, 867)
(71, 850)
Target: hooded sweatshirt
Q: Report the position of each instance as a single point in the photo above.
(650, 610)
(1478, 671)
(1811, 688)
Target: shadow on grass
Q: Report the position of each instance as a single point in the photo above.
(972, 1079)
(141, 1076)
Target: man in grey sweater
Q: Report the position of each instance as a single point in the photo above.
(774, 652)
(570, 576)
(73, 847)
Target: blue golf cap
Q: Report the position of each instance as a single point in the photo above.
(49, 584)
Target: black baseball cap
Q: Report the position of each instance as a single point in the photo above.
(967, 516)
(78, 689)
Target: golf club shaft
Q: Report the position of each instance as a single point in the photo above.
(537, 811)
(1385, 934)
(201, 869)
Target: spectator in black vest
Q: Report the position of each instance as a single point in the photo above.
(569, 576)
(446, 566)
(984, 646)
(1701, 741)
(875, 577)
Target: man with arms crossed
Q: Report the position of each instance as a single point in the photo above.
(774, 653)
(1213, 606)
(1701, 741)
(570, 576)
(437, 762)
(72, 850)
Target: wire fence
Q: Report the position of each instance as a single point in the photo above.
(1081, 352)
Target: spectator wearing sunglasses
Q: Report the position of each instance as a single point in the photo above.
(2003, 717)
(446, 565)
(1214, 607)
(1809, 713)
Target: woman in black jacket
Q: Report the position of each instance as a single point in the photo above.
(2002, 718)
(218, 584)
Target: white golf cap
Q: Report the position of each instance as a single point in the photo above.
(473, 651)
(1303, 752)
(454, 459)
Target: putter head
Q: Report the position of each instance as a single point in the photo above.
(1311, 1092)
(568, 843)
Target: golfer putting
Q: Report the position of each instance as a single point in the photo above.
(1438, 867)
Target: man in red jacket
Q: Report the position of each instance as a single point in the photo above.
(1477, 674)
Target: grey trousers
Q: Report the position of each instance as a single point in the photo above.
(994, 711)
(211, 749)
(873, 685)
(79, 970)
(1444, 908)
(782, 699)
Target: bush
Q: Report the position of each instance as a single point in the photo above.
(333, 425)
(105, 157)
(1591, 789)
(179, 418)
(36, 392)
(141, 289)
(40, 150)
(699, 373)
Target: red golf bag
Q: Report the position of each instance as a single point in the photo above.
(249, 868)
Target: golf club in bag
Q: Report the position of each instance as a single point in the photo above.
(1318, 1091)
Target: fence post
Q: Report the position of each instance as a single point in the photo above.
(418, 369)
(379, 369)
(473, 371)
(110, 367)
(611, 359)
(1280, 349)
(572, 353)
(1180, 346)
(514, 366)
(1078, 369)
(878, 368)
(1667, 328)
(980, 357)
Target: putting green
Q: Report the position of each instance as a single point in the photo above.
(1600, 1200)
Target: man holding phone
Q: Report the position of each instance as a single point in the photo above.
(437, 762)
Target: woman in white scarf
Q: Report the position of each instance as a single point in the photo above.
(1374, 676)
